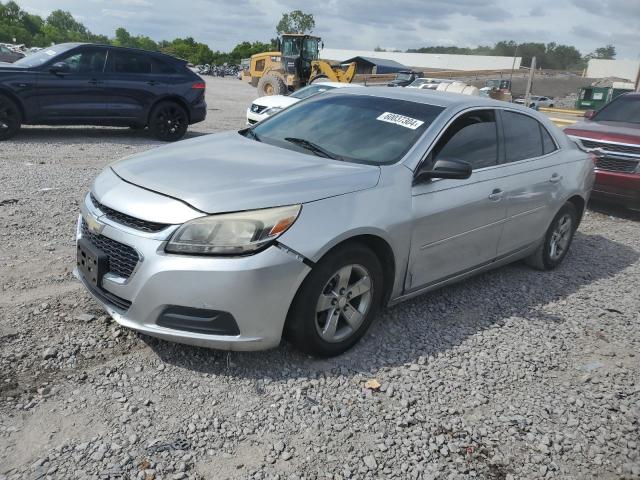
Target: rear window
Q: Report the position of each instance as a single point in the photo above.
(358, 128)
(522, 138)
(625, 108)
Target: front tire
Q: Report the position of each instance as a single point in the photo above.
(271, 84)
(168, 121)
(10, 118)
(337, 302)
(557, 240)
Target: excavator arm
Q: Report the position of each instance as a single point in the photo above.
(323, 69)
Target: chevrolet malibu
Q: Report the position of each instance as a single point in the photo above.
(306, 224)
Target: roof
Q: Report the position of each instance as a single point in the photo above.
(104, 45)
(383, 62)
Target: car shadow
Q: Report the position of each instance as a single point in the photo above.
(427, 324)
(614, 210)
(87, 135)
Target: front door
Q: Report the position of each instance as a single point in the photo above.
(76, 94)
(457, 223)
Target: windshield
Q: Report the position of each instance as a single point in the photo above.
(356, 128)
(403, 76)
(625, 108)
(419, 81)
(42, 56)
(310, 48)
(310, 90)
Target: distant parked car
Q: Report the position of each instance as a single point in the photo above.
(9, 56)
(613, 135)
(427, 83)
(536, 101)
(404, 78)
(266, 106)
(86, 84)
(305, 224)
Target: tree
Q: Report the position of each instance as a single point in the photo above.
(296, 22)
(605, 53)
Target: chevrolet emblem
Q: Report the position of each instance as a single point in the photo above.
(94, 225)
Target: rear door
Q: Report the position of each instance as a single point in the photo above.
(457, 223)
(133, 84)
(534, 171)
(77, 94)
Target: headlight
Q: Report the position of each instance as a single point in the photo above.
(232, 233)
(272, 110)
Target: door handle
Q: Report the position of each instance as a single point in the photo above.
(496, 195)
(94, 81)
(555, 178)
(152, 83)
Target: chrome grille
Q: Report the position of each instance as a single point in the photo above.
(122, 258)
(127, 220)
(616, 164)
(611, 147)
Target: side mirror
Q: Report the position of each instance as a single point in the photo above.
(589, 114)
(455, 169)
(60, 68)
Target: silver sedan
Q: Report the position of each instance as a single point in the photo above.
(311, 221)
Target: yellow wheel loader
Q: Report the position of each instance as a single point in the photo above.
(294, 66)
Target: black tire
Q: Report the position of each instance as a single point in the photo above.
(10, 118)
(168, 121)
(304, 322)
(271, 84)
(319, 78)
(544, 258)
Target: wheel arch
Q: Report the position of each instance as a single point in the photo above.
(579, 204)
(15, 99)
(171, 98)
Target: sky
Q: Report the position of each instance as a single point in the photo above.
(366, 24)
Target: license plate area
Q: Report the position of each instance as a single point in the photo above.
(92, 262)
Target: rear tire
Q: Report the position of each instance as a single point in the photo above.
(337, 302)
(10, 118)
(271, 84)
(168, 121)
(556, 241)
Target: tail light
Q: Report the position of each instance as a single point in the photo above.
(199, 86)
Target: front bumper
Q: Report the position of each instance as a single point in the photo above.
(617, 187)
(255, 290)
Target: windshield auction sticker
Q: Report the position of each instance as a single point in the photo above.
(406, 122)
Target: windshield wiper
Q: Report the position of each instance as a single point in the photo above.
(313, 147)
(248, 132)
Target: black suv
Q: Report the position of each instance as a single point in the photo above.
(86, 84)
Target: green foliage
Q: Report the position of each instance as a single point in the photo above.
(605, 53)
(296, 22)
(551, 55)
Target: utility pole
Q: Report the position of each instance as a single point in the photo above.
(513, 65)
(638, 80)
(527, 93)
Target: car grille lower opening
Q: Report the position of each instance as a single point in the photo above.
(128, 220)
(122, 258)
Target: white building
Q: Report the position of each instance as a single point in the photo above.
(627, 69)
(435, 61)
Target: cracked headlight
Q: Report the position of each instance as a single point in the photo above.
(232, 233)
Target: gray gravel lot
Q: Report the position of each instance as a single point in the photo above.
(515, 374)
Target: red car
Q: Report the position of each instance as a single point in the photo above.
(613, 135)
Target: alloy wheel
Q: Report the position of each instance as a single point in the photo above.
(344, 303)
(560, 237)
(170, 120)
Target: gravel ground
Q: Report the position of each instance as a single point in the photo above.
(515, 374)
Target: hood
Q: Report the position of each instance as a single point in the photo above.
(227, 172)
(281, 101)
(624, 132)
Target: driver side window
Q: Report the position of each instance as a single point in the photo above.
(86, 61)
(471, 138)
